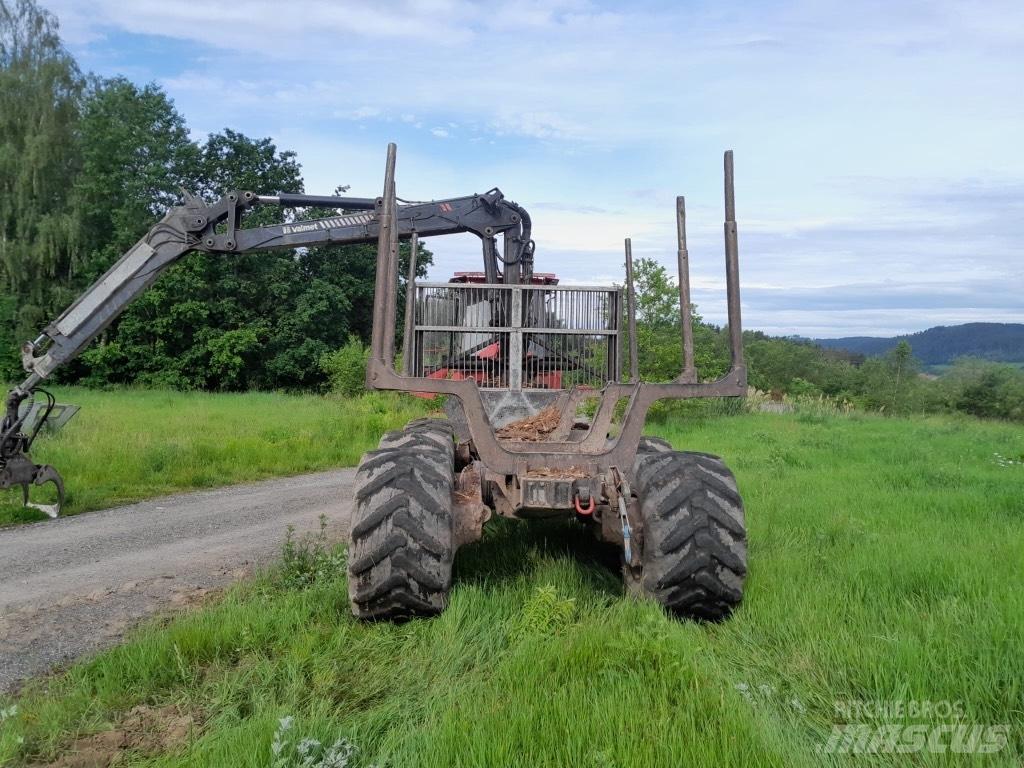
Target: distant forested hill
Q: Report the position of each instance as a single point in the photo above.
(944, 344)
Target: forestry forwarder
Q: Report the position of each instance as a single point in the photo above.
(512, 349)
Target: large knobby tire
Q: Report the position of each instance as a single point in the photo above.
(694, 557)
(401, 543)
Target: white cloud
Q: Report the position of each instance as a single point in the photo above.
(360, 113)
(875, 141)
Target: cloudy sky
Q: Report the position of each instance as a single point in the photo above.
(879, 145)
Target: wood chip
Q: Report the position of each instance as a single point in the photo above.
(532, 429)
(565, 472)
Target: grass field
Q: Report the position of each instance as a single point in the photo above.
(886, 571)
(134, 444)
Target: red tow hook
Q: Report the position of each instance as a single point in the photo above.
(580, 510)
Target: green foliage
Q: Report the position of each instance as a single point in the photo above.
(546, 612)
(309, 752)
(310, 559)
(40, 90)
(214, 322)
(892, 383)
(259, 320)
(981, 388)
(135, 153)
(776, 364)
(657, 295)
(884, 569)
(105, 166)
(659, 334)
(229, 353)
(799, 387)
(346, 367)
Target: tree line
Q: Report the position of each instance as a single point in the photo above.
(943, 344)
(890, 383)
(87, 166)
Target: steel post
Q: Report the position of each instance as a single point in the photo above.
(732, 266)
(515, 342)
(391, 319)
(634, 363)
(384, 283)
(512, 266)
(490, 259)
(689, 374)
(408, 338)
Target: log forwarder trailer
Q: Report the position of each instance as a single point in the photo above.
(504, 350)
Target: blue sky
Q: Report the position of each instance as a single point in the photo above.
(879, 146)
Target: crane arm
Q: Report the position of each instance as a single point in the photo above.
(196, 226)
(216, 228)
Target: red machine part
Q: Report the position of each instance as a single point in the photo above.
(545, 380)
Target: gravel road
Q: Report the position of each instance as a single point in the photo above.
(72, 586)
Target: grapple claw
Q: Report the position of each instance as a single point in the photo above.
(19, 470)
(18, 430)
(44, 473)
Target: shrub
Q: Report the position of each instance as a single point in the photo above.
(800, 387)
(983, 388)
(310, 559)
(310, 752)
(346, 367)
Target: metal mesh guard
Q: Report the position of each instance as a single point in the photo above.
(518, 337)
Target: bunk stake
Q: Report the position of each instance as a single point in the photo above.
(634, 365)
(408, 340)
(732, 267)
(689, 374)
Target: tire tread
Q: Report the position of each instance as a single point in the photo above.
(695, 542)
(401, 543)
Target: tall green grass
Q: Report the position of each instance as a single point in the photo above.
(886, 566)
(127, 445)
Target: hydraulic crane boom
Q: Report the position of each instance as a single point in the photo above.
(216, 228)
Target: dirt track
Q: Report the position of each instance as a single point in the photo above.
(72, 586)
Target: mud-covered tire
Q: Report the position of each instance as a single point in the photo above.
(653, 445)
(694, 559)
(401, 543)
(421, 432)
